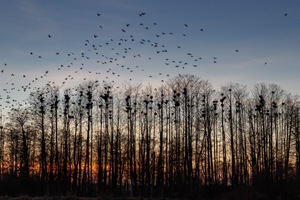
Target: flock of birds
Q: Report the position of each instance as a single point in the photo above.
(126, 57)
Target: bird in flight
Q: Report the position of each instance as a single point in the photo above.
(141, 14)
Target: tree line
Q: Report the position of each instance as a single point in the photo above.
(167, 141)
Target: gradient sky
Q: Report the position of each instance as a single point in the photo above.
(239, 41)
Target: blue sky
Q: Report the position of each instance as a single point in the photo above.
(199, 37)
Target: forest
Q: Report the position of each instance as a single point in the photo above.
(183, 139)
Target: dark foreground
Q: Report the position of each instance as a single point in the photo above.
(281, 192)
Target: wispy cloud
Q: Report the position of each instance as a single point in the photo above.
(36, 18)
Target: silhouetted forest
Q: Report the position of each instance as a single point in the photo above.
(182, 139)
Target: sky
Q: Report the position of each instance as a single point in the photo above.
(67, 42)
